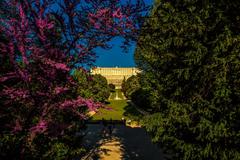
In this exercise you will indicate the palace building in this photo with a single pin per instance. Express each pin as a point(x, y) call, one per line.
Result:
point(115, 75)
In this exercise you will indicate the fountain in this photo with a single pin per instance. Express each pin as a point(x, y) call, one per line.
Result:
point(117, 98)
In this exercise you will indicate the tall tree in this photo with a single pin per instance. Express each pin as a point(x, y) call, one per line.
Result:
point(40, 43)
point(191, 51)
point(92, 86)
point(130, 85)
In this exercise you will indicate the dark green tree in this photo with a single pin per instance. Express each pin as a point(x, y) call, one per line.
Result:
point(123, 88)
point(146, 95)
point(112, 87)
point(100, 88)
point(130, 86)
point(190, 49)
point(92, 86)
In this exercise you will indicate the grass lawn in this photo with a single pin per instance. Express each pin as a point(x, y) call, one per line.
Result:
point(116, 112)
point(119, 109)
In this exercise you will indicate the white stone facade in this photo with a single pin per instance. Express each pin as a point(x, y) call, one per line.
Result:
point(115, 75)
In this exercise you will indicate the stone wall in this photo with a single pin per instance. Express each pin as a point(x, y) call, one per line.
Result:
point(115, 75)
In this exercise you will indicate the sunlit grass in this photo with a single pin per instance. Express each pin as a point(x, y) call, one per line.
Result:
point(116, 111)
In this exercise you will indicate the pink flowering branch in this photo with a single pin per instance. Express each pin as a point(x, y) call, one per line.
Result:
point(59, 90)
point(17, 127)
point(10, 75)
point(40, 127)
point(57, 65)
point(15, 94)
point(39, 46)
point(80, 102)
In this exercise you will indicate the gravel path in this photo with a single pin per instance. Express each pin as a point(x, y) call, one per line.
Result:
point(125, 143)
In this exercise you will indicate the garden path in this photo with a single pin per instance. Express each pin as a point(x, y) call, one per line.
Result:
point(125, 143)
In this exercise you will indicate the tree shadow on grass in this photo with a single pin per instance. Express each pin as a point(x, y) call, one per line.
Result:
point(131, 112)
point(106, 102)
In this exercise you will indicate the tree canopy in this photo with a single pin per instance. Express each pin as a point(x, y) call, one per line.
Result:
point(130, 85)
point(92, 86)
point(190, 49)
point(41, 42)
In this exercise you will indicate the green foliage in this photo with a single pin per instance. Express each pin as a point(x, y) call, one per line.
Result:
point(9, 145)
point(123, 89)
point(100, 88)
point(92, 86)
point(189, 54)
point(64, 147)
point(130, 85)
point(59, 151)
point(112, 87)
point(147, 96)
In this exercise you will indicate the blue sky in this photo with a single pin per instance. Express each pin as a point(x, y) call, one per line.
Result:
point(116, 56)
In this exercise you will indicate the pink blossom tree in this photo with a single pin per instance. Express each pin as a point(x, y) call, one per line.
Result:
point(41, 41)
